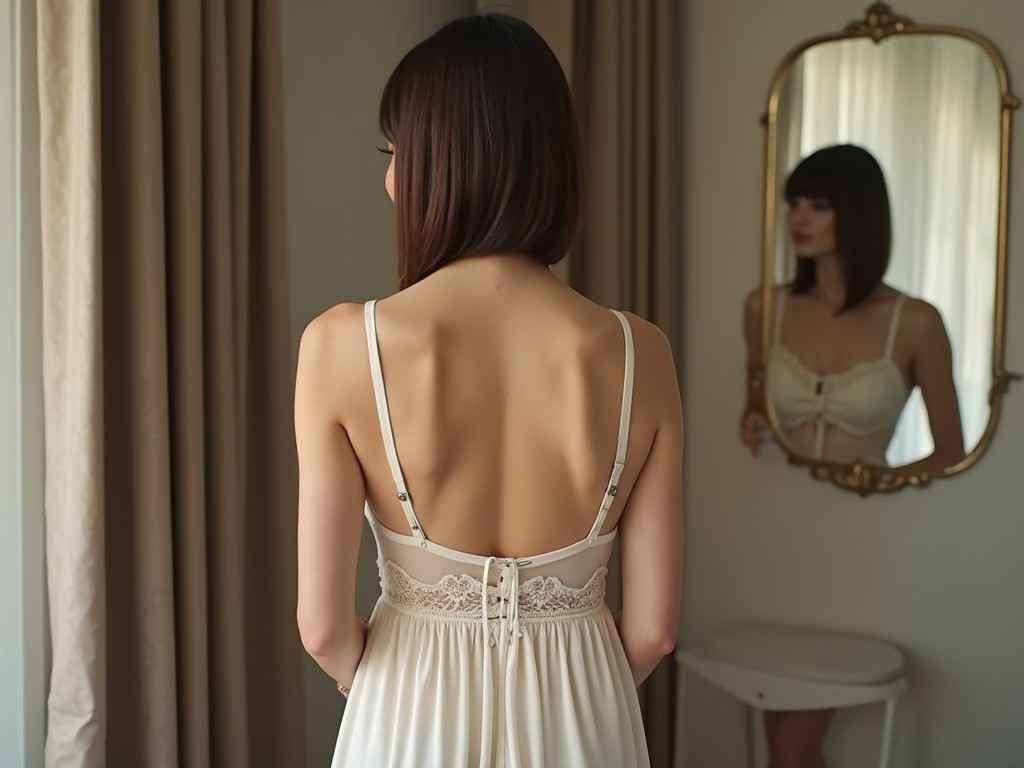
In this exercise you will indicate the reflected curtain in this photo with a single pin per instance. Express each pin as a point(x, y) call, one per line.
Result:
point(618, 59)
point(170, 474)
point(928, 109)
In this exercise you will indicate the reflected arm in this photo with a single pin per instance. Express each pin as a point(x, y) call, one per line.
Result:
point(932, 370)
point(753, 421)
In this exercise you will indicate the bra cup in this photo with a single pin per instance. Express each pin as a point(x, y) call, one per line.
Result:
point(865, 400)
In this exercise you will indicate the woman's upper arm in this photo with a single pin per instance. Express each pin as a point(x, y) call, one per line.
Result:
point(651, 527)
point(933, 372)
point(752, 326)
point(752, 336)
point(331, 489)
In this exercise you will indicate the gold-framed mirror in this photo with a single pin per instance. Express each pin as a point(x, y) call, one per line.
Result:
point(932, 105)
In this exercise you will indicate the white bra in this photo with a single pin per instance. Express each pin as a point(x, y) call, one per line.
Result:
point(864, 401)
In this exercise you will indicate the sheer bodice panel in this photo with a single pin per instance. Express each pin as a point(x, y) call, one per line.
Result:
point(417, 578)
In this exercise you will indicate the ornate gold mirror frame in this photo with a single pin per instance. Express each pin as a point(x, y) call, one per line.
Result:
point(878, 24)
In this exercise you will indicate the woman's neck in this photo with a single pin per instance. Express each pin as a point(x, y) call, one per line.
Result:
point(493, 269)
point(829, 281)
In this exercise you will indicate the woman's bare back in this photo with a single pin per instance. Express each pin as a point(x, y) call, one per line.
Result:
point(504, 389)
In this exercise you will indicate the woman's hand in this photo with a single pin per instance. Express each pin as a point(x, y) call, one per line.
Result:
point(753, 426)
point(346, 688)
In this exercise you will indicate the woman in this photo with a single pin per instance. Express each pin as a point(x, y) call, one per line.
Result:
point(501, 429)
point(847, 352)
point(848, 349)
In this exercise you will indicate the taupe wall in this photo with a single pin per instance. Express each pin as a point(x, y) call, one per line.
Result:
point(337, 57)
point(938, 571)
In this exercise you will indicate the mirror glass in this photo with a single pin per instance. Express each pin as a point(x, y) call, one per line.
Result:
point(928, 107)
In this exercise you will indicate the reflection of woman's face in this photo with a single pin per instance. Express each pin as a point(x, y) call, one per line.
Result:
point(812, 225)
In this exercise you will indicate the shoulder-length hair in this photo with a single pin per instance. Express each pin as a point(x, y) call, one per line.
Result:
point(851, 180)
point(487, 148)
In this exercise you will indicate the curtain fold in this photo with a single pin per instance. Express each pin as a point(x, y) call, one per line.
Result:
point(195, 547)
point(69, 94)
point(624, 88)
point(618, 59)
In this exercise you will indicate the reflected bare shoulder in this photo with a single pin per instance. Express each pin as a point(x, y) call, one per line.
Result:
point(922, 325)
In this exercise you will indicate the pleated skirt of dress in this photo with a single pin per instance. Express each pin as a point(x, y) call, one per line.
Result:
point(422, 697)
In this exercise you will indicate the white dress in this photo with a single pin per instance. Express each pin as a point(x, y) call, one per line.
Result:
point(527, 672)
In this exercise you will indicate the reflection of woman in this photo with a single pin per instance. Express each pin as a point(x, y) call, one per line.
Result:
point(847, 351)
point(486, 412)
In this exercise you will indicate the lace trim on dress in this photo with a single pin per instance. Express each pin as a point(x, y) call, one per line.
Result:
point(460, 596)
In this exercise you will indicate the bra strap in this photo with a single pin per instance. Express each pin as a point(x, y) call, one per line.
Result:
point(620, 448)
point(385, 421)
point(894, 324)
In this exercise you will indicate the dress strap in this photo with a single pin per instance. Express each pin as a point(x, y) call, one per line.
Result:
point(385, 421)
point(620, 448)
point(894, 324)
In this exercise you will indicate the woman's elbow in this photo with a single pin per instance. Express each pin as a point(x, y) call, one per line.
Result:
point(657, 641)
point(665, 641)
point(318, 637)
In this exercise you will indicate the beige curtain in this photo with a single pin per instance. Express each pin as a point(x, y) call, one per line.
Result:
point(617, 57)
point(73, 384)
point(169, 460)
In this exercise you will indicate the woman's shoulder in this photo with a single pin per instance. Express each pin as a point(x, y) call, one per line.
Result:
point(329, 336)
point(917, 310)
point(331, 325)
point(656, 377)
point(653, 350)
point(325, 379)
point(643, 329)
point(753, 302)
point(920, 320)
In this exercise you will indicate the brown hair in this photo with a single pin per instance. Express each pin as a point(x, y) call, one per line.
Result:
point(851, 180)
point(487, 148)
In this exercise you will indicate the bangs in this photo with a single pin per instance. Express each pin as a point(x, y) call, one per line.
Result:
point(850, 179)
point(805, 185)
